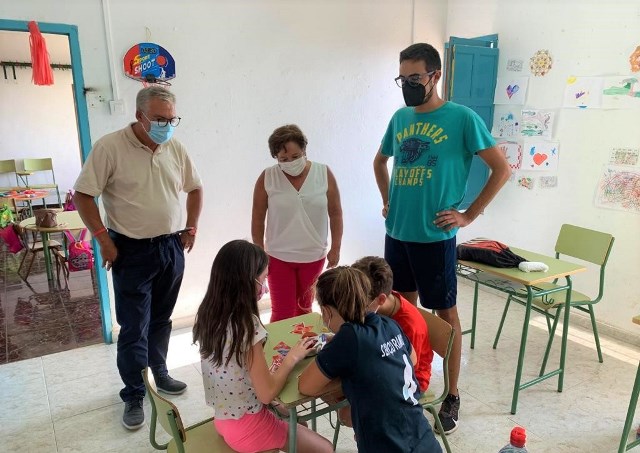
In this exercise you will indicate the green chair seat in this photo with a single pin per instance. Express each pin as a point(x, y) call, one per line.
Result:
point(199, 438)
point(557, 298)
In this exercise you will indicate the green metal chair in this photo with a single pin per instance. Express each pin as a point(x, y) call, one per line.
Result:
point(441, 338)
point(199, 438)
point(581, 243)
point(36, 165)
point(6, 167)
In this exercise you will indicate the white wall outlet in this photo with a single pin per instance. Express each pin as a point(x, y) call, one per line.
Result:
point(117, 107)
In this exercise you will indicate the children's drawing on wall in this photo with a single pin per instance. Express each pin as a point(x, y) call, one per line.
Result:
point(540, 63)
point(511, 90)
point(514, 65)
point(536, 123)
point(506, 122)
point(526, 182)
point(548, 182)
point(513, 153)
point(634, 60)
point(540, 155)
point(583, 92)
point(624, 156)
point(619, 189)
point(621, 92)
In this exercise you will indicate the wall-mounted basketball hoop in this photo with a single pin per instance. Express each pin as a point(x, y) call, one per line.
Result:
point(150, 64)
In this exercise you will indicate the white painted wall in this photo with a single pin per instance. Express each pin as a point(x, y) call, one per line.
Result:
point(245, 68)
point(38, 121)
point(585, 38)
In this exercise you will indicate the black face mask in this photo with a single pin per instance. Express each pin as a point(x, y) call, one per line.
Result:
point(416, 95)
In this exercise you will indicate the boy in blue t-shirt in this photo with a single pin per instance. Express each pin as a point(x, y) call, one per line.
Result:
point(374, 360)
point(432, 142)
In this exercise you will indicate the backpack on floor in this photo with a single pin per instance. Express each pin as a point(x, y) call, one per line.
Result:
point(80, 252)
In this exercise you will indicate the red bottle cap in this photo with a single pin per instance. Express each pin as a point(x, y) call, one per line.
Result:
point(518, 437)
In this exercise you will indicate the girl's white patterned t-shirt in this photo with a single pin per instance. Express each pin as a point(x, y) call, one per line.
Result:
point(228, 389)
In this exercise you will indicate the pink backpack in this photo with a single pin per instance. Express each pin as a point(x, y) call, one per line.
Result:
point(80, 252)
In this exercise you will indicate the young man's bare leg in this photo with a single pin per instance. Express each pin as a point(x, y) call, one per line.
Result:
point(449, 410)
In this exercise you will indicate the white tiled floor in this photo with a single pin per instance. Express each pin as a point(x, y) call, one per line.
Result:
point(68, 402)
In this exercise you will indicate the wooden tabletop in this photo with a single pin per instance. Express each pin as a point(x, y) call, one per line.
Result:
point(557, 268)
point(67, 220)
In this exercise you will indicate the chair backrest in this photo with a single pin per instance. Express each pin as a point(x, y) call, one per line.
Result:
point(582, 243)
point(7, 166)
point(11, 202)
point(42, 164)
point(165, 412)
point(441, 338)
point(587, 245)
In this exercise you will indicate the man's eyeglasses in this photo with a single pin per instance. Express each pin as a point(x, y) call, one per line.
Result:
point(163, 122)
point(413, 80)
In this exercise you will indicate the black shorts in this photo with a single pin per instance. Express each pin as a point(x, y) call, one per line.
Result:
point(429, 268)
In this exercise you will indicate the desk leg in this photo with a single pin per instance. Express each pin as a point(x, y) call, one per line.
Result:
point(47, 254)
point(474, 316)
point(630, 414)
point(565, 334)
point(523, 344)
point(293, 429)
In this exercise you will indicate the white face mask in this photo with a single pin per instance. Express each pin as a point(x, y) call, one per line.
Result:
point(295, 167)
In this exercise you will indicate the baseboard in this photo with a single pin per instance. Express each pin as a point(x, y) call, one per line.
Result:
point(187, 321)
point(578, 318)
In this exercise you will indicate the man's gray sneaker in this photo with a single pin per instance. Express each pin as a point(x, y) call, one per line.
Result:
point(167, 384)
point(133, 417)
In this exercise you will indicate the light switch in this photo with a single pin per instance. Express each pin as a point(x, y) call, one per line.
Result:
point(117, 107)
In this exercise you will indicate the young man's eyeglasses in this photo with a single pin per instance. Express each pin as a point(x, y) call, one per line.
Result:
point(163, 122)
point(413, 80)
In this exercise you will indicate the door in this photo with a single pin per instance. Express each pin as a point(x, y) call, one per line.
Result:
point(470, 73)
point(82, 118)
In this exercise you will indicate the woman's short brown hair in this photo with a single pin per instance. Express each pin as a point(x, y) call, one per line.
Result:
point(285, 134)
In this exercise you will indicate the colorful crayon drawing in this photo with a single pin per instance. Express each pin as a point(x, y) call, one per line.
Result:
point(513, 153)
point(583, 92)
point(619, 189)
point(526, 182)
point(511, 90)
point(540, 155)
point(536, 123)
point(506, 122)
point(621, 92)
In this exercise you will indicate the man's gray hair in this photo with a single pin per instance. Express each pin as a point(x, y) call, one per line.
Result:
point(153, 92)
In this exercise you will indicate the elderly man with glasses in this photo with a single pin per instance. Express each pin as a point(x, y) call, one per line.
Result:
point(139, 172)
point(432, 142)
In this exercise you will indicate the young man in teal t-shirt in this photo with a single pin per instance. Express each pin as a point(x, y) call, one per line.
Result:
point(432, 142)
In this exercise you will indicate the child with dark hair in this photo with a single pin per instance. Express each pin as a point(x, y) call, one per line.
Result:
point(374, 360)
point(391, 303)
point(237, 380)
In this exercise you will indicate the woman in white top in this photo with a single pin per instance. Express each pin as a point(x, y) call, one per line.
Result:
point(301, 203)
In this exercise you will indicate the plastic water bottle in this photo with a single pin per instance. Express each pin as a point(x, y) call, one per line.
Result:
point(518, 439)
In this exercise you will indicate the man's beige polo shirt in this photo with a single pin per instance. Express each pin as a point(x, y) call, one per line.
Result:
point(139, 188)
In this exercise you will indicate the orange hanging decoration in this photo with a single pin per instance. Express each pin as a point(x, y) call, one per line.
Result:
point(42, 72)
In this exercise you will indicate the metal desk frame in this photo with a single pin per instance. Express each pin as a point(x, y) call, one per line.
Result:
point(517, 283)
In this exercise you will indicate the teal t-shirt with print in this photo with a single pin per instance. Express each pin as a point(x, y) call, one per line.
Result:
point(432, 155)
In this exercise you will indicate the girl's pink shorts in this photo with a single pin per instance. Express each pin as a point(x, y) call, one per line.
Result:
point(254, 432)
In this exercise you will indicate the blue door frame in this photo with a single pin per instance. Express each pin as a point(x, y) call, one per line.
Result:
point(71, 31)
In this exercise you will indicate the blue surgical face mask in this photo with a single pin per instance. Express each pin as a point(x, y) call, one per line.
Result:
point(159, 134)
